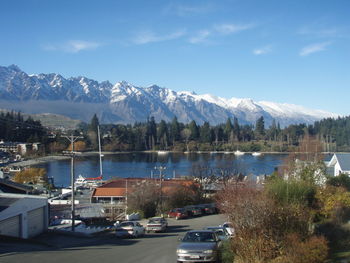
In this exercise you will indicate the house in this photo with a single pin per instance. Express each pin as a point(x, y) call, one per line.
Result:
point(340, 163)
point(8, 186)
point(116, 191)
point(19, 147)
point(23, 216)
point(113, 195)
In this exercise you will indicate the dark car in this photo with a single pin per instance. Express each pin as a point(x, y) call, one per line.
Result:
point(199, 246)
point(178, 213)
point(209, 209)
point(193, 210)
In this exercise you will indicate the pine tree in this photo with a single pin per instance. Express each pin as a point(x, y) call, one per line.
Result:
point(174, 130)
point(92, 132)
point(194, 130)
point(228, 129)
point(260, 128)
point(205, 133)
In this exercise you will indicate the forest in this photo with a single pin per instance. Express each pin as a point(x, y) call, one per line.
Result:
point(332, 135)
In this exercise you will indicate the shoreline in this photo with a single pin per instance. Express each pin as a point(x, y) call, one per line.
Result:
point(50, 158)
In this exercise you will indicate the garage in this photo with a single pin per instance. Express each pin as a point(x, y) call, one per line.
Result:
point(23, 216)
point(36, 222)
point(10, 227)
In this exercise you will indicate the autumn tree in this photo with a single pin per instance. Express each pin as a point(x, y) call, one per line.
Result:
point(79, 146)
point(32, 176)
point(144, 198)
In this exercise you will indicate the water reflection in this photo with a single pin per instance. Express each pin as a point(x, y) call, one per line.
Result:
point(142, 165)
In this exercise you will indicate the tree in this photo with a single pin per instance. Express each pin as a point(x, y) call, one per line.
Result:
point(194, 130)
point(144, 199)
point(175, 130)
point(228, 129)
point(186, 134)
point(163, 134)
point(236, 129)
point(205, 133)
point(92, 132)
point(260, 127)
point(151, 133)
point(31, 175)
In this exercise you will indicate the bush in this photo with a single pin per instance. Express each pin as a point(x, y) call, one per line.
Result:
point(312, 250)
point(291, 192)
point(342, 180)
point(227, 255)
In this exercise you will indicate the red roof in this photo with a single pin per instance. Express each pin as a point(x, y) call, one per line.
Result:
point(117, 187)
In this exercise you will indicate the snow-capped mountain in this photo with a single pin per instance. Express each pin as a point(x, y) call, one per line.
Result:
point(80, 97)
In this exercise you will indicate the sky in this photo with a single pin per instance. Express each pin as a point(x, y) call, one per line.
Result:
point(287, 51)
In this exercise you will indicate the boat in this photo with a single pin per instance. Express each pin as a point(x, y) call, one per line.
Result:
point(238, 153)
point(162, 152)
point(81, 181)
point(256, 154)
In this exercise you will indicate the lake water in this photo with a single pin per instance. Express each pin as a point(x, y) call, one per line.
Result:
point(178, 164)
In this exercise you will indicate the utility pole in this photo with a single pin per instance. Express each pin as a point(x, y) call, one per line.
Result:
point(160, 168)
point(72, 139)
point(126, 197)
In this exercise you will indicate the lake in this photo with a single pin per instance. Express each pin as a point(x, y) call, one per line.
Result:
point(177, 164)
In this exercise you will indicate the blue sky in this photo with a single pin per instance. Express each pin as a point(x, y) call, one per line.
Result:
point(295, 51)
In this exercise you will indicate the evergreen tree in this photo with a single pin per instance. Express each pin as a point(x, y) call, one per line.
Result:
point(163, 134)
point(175, 130)
point(228, 130)
point(260, 128)
point(194, 130)
point(151, 133)
point(236, 129)
point(205, 133)
point(92, 132)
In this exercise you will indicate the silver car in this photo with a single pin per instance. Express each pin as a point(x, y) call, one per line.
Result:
point(199, 246)
point(157, 224)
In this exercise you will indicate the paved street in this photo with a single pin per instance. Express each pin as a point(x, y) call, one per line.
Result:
point(154, 247)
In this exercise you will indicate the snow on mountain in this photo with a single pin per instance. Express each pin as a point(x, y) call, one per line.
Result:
point(80, 98)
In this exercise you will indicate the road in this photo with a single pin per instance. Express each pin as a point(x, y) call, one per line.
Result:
point(154, 247)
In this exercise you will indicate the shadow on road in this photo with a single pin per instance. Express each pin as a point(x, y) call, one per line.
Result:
point(57, 241)
point(178, 228)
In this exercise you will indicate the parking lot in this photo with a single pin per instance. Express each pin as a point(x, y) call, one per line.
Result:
point(154, 247)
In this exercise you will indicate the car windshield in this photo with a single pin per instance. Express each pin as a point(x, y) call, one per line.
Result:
point(124, 224)
point(155, 220)
point(220, 232)
point(199, 237)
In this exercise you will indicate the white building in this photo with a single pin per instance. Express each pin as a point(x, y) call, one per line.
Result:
point(23, 216)
point(340, 162)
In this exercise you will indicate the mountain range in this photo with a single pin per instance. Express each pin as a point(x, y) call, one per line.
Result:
point(80, 97)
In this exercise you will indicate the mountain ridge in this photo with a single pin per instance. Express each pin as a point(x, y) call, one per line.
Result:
point(78, 98)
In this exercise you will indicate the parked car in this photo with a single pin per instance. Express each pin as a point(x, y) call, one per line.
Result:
point(199, 246)
point(157, 224)
point(129, 228)
point(193, 210)
point(220, 231)
point(209, 209)
point(229, 228)
point(178, 213)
